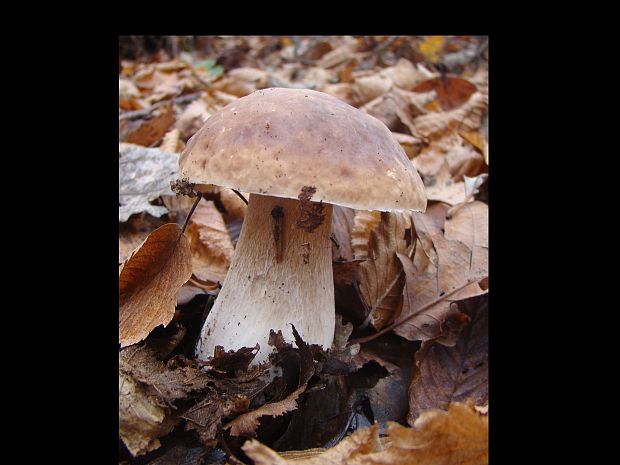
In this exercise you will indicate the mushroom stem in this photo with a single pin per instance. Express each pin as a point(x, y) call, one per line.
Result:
point(280, 274)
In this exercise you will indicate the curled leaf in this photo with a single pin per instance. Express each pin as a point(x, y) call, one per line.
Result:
point(149, 281)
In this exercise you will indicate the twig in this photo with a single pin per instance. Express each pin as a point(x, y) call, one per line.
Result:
point(198, 197)
point(397, 323)
point(146, 111)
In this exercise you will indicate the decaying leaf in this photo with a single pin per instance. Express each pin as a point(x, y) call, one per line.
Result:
point(149, 281)
point(360, 443)
point(381, 275)
point(147, 132)
point(209, 242)
point(246, 424)
point(456, 437)
point(144, 174)
point(364, 223)
point(470, 225)
point(468, 117)
point(141, 419)
point(446, 374)
point(443, 188)
point(452, 91)
point(133, 232)
point(168, 382)
point(450, 272)
point(459, 436)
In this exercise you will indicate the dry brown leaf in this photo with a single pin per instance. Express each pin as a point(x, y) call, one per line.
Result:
point(442, 187)
point(128, 95)
point(368, 88)
point(343, 219)
point(456, 437)
point(171, 142)
point(434, 126)
point(403, 74)
point(169, 384)
point(464, 160)
point(342, 90)
point(147, 132)
point(381, 275)
point(470, 225)
point(450, 271)
point(362, 442)
point(149, 281)
point(411, 145)
point(459, 436)
point(364, 223)
point(193, 118)
point(141, 419)
point(209, 242)
point(339, 55)
point(133, 232)
point(452, 91)
point(246, 423)
point(446, 374)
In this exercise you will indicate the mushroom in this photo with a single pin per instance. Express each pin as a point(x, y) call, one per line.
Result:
point(296, 152)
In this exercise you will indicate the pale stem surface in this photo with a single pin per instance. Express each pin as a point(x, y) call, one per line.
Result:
point(260, 293)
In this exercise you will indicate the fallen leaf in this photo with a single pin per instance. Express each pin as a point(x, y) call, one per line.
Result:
point(133, 232)
point(443, 188)
point(470, 225)
point(144, 174)
point(450, 272)
point(149, 281)
point(246, 423)
point(209, 242)
point(381, 275)
point(147, 132)
point(431, 47)
point(364, 222)
point(452, 91)
point(368, 88)
point(193, 118)
point(459, 436)
point(172, 142)
point(169, 383)
point(205, 418)
point(360, 443)
point(446, 374)
point(141, 419)
point(468, 117)
point(233, 360)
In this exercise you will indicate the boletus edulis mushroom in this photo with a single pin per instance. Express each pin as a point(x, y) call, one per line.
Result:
point(296, 152)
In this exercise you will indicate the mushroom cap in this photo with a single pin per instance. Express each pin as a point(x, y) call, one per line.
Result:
point(277, 141)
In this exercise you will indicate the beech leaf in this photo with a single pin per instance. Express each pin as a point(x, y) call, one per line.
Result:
point(149, 281)
point(446, 374)
point(246, 423)
point(459, 436)
point(450, 271)
point(381, 275)
point(361, 442)
point(209, 242)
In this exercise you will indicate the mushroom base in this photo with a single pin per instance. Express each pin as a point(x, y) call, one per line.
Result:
point(280, 274)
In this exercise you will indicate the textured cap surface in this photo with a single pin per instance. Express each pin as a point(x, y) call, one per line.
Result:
point(276, 141)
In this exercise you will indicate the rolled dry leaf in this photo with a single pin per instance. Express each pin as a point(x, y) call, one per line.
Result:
point(149, 281)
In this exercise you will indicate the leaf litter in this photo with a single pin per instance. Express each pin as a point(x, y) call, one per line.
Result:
point(411, 288)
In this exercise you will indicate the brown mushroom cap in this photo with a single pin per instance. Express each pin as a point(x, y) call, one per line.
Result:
point(276, 141)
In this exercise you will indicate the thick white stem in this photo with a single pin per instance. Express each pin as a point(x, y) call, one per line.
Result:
point(263, 291)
